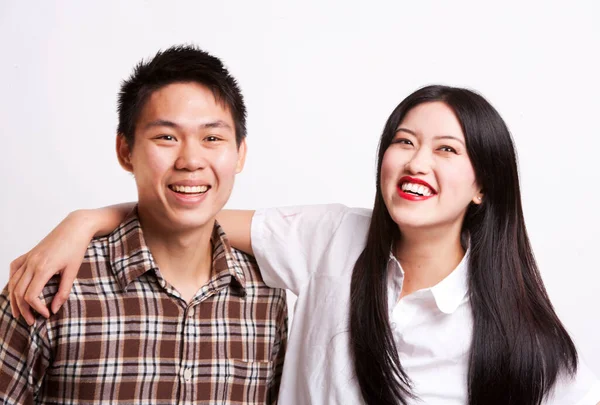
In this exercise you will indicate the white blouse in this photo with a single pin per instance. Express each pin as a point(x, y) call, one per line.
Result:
point(311, 251)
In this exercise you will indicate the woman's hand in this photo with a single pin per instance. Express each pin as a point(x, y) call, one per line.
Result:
point(61, 252)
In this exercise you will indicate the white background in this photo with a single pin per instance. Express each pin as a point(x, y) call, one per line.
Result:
point(320, 79)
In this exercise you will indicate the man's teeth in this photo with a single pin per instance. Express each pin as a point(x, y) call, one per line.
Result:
point(417, 189)
point(190, 189)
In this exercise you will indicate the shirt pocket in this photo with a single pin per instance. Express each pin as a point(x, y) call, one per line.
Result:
point(248, 381)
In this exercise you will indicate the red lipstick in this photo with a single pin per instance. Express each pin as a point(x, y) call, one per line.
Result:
point(413, 197)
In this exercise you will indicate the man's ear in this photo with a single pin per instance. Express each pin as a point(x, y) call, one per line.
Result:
point(124, 153)
point(242, 149)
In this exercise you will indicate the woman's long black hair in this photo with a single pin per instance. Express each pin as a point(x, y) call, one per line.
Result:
point(519, 346)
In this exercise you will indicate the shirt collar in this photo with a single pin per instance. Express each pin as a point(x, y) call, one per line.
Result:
point(448, 293)
point(225, 262)
point(452, 290)
point(130, 257)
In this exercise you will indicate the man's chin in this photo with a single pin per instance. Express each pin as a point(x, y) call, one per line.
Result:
point(177, 220)
point(192, 221)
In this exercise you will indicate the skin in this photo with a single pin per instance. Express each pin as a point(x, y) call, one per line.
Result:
point(429, 145)
point(183, 135)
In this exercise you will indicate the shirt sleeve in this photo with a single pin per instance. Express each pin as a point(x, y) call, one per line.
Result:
point(24, 356)
point(289, 242)
point(581, 389)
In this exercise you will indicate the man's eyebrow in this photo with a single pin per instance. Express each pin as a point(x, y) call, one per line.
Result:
point(171, 124)
point(161, 123)
point(216, 124)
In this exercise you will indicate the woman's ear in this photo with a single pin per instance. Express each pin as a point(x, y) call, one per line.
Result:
point(478, 198)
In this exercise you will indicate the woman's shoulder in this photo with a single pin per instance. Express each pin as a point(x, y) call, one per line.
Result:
point(321, 216)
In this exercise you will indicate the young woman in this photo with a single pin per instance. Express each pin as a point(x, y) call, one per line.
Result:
point(433, 297)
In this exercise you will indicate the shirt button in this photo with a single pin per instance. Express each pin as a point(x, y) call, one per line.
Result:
point(187, 374)
point(190, 312)
point(393, 325)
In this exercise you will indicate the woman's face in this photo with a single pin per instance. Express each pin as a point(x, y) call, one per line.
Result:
point(427, 179)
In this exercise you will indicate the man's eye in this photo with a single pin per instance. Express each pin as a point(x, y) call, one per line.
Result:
point(166, 137)
point(212, 138)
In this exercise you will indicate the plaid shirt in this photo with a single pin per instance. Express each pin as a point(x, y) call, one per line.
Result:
point(126, 336)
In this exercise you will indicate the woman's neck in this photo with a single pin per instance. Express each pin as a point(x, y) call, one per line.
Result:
point(428, 256)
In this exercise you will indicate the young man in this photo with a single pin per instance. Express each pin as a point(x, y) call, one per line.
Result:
point(163, 309)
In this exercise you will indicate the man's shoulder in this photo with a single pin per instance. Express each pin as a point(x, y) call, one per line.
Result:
point(97, 256)
point(248, 266)
point(251, 271)
point(94, 272)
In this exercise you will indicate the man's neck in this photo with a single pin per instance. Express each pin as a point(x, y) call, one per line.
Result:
point(427, 257)
point(183, 257)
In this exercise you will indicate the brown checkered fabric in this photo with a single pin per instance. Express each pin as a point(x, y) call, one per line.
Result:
point(126, 336)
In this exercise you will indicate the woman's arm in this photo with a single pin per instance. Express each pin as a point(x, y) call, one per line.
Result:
point(236, 224)
point(62, 251)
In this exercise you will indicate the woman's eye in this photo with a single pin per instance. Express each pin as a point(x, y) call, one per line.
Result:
point(448, 149)
point(403, 141)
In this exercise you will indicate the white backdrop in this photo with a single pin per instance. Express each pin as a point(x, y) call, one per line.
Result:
point(320, 79)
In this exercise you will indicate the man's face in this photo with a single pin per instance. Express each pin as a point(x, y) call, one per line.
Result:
point(184, 157)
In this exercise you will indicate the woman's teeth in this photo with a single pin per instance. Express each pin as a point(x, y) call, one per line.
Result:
point(189, 189)
point(418, 189)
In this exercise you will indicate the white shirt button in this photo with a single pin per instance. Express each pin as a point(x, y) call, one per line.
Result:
point(190, 312)
point(187, 374)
